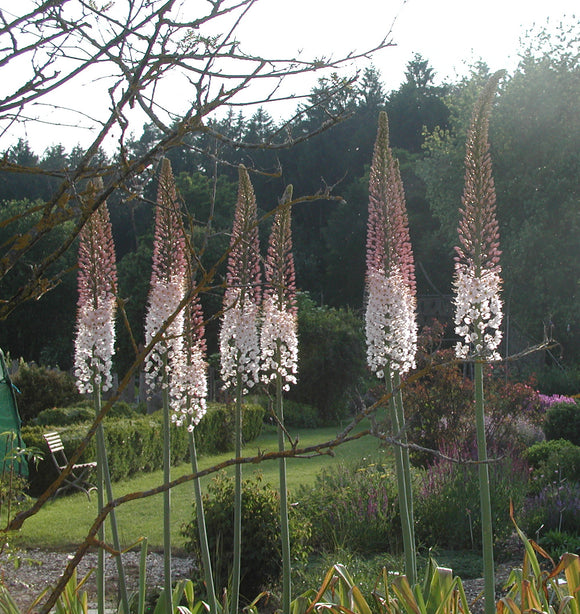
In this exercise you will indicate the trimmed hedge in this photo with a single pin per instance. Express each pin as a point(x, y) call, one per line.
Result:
point(563, 422)
point(136, 444)
point(74, 414)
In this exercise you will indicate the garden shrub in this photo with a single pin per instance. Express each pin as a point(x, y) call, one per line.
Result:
point(215, 433)
point(41, 388)
point(261, 562)
point(552, 461)
point(353, 506)
point(555, 380)
point(122, 409)
point(439, 405)
point(447, 505)
point(563, 422)
point(81, 412)
point(556, 543)
point(555, 507)
point(331, 361)
point(541, 451)
point(296, 414)
point(61, 416)
point(301, 415)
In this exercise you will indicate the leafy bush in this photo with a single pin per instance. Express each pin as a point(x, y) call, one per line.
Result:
point(301, 415)
point(514, 412)
point(447, 508)
point(556, 506)
point(552, 461)
point(540, 452)
point(215, 433)
point(296, 414)
point(122, 409)
point(261, 556)
point(61, 416)
point(563, 422)
point(556, 543)
point(332, 362)
point(546, 401)
point(353, 506)
point(555, 380)
point(439, 405)
point(42, 388)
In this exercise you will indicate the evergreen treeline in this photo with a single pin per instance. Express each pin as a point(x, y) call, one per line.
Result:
point(535, 137)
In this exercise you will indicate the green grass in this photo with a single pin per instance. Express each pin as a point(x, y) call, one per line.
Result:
point(65, 521)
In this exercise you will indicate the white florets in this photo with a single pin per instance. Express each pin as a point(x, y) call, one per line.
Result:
point(391, 328)
point(94, 346)
point(239, 343)
point(478, 313)
point(189, 389)
point(279, 344)
point(164, 299)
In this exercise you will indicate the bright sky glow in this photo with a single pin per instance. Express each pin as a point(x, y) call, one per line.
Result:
point(450, 34)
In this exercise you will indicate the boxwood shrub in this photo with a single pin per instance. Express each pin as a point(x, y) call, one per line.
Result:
point(136, 444)
point(563, 422)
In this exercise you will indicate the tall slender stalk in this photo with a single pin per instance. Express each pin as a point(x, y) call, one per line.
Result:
point(237, 562)
point(484, 493)
point(478, 307)
point(284, 521)
point(101, 534)
point(167, 290)
point(205, 554)
point(104, 478)
point(167, 497)
point(406, 464)
point(94, 345)
point(190, 381)
point(402, 488)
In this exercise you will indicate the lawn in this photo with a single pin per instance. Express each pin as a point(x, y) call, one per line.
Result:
point(64, 522)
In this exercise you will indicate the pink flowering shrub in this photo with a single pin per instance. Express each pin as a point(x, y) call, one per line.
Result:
point(439, 405)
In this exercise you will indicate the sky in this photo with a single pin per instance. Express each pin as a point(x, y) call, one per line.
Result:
point(450, 34)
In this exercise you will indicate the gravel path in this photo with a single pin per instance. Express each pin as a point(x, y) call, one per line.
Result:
point(40, 569)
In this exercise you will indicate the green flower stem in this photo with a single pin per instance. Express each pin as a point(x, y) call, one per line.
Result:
point(237, 563)
point(284, 525)
point(101, 534)
point(485, 496)
point(167, 494)
point(206, 559)
point(123, 595)
point(402, 488)
point(103, 463)
point(406, 470)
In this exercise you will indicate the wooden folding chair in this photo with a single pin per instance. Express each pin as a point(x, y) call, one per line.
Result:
point(77, 478)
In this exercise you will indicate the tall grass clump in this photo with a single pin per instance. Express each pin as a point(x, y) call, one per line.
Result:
point(353, 506)
point(448, 503)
